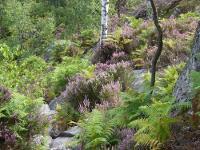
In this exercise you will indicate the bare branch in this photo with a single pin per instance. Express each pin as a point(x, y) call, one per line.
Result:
point(159, 42)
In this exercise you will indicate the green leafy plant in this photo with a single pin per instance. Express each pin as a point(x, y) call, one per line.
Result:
point(66, 114)
point(15, 119)
point(24, 76)
point(97, 130)
point(167, 80)
point(155, 127)
point(58, 78)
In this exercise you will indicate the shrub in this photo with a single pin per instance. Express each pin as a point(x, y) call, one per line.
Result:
point(79, 87)
point(126, 139)
point(120, 72)
point(15, 119)
point(104, 53)
point(5, 95)
point(66, 114)
point(58, 78)
point(110, 92)
point(118, 57)
point(24, 76)
point(63, 48)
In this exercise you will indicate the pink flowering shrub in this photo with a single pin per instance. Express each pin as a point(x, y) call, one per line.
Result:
point(4, 94)
point(118, 57)
point(79, 88)
point(108, 81)
point(120, 72)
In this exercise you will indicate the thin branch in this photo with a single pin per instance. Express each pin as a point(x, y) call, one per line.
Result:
point(159, 42)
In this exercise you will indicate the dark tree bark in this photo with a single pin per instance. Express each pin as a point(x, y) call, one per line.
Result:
point(183, 89)
point(159, 42)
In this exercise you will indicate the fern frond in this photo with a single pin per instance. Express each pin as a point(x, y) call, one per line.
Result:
point(146, 140)
point(138, 123)
point(182, 106)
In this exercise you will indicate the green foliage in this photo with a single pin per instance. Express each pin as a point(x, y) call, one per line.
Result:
point(66, 114)
point(182, 106)
point(135, 23)
point(37, 29)
point(57, 79)
point(167, 80)
point(24, 76)
point(26, 31)
point(62, 48)
point(195, 80)
point(88, 38)
point(76, 15)
point(97, 130)
point(133, 3)
point(187, 15)
point(128, 109)
point(155, 127)
point(16, 113)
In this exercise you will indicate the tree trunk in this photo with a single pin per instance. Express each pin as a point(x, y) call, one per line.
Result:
point(104, 20)
point(148, 10)
point(159, 43)
point(183, 89)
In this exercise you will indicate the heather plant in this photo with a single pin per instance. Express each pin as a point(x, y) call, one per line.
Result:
point(116, 43)
point(126, 139)
point(120, 72)
point(110, 92)
point(119, 57)
point(79, 87)
point(104, 53)
point(5, 94)
point(101, 90)
point(105, 78)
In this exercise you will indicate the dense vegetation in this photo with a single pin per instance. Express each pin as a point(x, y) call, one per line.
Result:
point(49, 52)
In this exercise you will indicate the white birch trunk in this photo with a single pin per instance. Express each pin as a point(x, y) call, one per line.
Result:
point(149, 9)
point(104, 20)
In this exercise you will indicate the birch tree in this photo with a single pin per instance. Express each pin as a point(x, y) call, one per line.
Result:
point(104, 20)
point(148, 9)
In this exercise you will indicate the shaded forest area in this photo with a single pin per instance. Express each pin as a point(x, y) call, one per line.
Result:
point(99, 74)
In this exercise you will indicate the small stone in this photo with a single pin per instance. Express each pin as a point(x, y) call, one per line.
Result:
point(57, 101)
point(61, 143)
point(71, 132)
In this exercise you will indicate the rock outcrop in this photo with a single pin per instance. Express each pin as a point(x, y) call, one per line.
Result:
point(65, 139)
point(183, 89)
point(165, 7)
